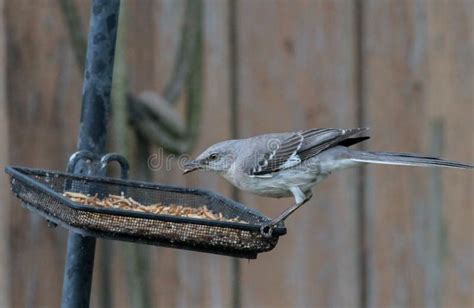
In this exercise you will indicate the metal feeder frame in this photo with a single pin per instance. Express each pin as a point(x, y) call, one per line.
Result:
point(42, 192)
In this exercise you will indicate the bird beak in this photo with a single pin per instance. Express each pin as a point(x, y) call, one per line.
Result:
point(190, 166)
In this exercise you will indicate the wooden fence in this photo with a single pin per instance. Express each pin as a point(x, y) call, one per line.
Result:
point(375, 237)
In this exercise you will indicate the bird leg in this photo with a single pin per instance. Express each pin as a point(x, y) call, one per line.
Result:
point(300, 197)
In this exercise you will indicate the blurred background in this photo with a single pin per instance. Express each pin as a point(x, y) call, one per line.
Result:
point(191, 73)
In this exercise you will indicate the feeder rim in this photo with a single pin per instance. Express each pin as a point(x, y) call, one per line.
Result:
point(14, 171)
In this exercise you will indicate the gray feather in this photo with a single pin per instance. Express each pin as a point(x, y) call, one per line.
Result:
point(405, 159)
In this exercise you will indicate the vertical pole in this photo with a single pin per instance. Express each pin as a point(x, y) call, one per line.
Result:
point(92, 137)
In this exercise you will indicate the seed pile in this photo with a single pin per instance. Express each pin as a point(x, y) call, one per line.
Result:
point(127, 203)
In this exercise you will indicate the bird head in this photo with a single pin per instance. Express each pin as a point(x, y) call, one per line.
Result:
point(218, 158)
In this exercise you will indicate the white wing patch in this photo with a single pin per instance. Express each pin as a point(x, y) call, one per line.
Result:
point(292, 161)
point(266, 175)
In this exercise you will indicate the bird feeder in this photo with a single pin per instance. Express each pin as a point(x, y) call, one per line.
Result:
point(236, 233)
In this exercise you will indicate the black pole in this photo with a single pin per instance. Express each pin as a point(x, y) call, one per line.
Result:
point(92, 137)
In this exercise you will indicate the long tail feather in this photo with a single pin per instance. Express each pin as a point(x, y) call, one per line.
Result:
point(406, 159)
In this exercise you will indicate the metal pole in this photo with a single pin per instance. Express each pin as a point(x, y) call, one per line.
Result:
point(92, 137)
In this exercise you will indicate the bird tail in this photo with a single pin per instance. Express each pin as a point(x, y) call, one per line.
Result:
point(405, 159)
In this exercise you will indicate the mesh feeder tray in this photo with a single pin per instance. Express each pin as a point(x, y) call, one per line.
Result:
point(42, 192)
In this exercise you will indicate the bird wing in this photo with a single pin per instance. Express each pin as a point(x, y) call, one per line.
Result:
point(299, 147)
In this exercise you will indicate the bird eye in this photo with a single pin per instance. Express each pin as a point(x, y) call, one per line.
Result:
point(213, 156)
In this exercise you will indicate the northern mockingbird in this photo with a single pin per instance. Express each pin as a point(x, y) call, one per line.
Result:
point(290, 164)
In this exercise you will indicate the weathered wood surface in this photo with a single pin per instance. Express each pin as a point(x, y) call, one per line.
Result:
point(451, 102)
point(419, 57)
point(297, 70)
point(44, 95)
point(192, 279)
point(5, 195)
point(206, 278)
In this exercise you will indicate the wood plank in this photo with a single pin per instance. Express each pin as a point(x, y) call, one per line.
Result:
point(150, 64)
point(44, 95)
point(182, 278)
point(205, 279)
point(408, 83)
point(142, 53)
point(142, 60)
point(450, 279)
point(5, 195)
point(395, 58)
point(297, 68)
